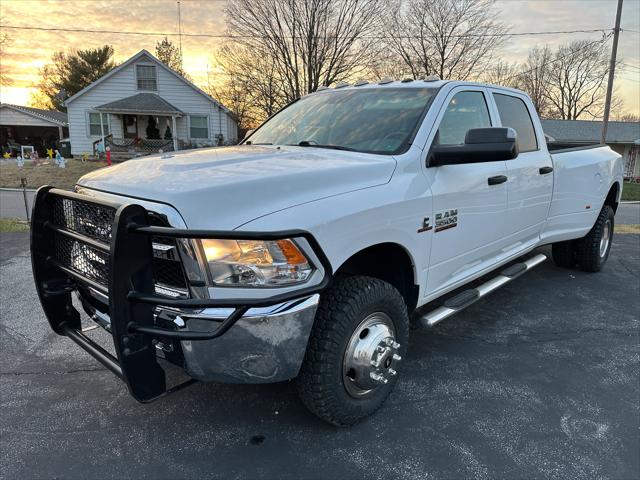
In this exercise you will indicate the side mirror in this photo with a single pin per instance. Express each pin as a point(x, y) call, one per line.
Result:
point(480, 145)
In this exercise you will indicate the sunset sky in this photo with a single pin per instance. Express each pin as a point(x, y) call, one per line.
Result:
point(30, 50)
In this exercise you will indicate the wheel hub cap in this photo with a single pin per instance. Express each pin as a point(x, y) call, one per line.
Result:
point(371, 355)
point(606, 238)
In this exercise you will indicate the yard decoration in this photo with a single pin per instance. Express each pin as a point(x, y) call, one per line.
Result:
point(152, 128)
point(6, 155)
point(60, 160)
point(167, 134)
point(50, 153)
point(108, 156)
point(20, 161)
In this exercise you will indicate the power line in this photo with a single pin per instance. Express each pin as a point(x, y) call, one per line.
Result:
point(588, 45)
point(232, 36)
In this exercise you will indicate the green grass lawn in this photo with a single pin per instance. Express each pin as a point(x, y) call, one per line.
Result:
point(13, 225)
point(631, 191)
point(48, 174)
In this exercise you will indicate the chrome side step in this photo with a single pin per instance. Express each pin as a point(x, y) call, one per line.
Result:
point(469, 297)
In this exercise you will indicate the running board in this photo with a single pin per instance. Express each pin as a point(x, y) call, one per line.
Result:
point(468, 297)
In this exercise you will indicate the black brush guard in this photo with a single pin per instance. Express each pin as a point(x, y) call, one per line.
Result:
point(131, 288)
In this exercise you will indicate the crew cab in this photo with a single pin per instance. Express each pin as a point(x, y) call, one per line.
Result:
point(303, 252)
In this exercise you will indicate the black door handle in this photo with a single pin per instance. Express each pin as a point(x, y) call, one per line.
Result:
point(497, 180)
point(545, 170)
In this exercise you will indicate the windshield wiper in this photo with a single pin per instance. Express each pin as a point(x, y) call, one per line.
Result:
point(249, 142)
point(311, 143)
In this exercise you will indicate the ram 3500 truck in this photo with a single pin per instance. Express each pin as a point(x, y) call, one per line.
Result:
point(301, 253)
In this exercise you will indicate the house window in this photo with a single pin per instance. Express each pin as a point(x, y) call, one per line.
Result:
point(146, 75)
point(94, 124)
point(199, 127)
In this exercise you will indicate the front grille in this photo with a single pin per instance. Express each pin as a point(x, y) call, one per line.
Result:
point(96, 222)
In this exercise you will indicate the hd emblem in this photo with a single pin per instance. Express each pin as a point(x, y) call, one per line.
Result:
point(447, 219)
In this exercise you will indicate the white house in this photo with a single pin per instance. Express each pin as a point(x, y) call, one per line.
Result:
point(119, 106)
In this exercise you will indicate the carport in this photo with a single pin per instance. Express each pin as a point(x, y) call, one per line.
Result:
point(35, 127)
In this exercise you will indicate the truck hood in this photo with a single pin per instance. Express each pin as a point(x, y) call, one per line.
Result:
point(223, 188)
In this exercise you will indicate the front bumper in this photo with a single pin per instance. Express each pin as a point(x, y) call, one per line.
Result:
point(264, 338)
point(266, 345)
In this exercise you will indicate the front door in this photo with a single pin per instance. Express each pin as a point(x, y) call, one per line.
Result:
point(468, 210)
point(130, 126)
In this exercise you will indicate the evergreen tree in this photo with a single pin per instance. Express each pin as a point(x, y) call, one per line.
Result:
point(68, 73)
point(170, 55)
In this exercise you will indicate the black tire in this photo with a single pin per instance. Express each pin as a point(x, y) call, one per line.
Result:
point(589, 256)
point(342, 308)
point(564, 254)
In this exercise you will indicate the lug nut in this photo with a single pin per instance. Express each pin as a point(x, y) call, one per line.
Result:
point(381, 349)
point(396, 345)
point(378, 378)
point(392, 371)
point(388, 341)
point(375, 363)
point(397, 357)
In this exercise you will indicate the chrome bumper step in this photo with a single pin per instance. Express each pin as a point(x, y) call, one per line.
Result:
point(468, 297)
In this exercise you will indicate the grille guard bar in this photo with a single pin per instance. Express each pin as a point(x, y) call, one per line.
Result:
point(131, 288)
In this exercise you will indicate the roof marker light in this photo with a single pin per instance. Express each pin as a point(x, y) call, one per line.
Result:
point(385, 81)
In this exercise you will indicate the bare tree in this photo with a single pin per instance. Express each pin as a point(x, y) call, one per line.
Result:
point(311, 42)
point(249, 84)
point(5, 41)
point(502, 73)
point(535, 77)
point(450, 38)
point(577, 80)
point(627, 117)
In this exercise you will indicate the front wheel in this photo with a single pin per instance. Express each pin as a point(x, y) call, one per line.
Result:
point(356, 346)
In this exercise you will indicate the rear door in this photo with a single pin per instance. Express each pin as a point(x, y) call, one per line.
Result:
point(468, 212)
point(530, 174)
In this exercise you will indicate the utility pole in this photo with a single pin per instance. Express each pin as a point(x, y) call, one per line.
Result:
point(612, 71)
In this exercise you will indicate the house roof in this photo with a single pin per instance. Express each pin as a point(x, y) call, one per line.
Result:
point(137, 56)
point(53, 116)
point(589, 131)
point(145, 103)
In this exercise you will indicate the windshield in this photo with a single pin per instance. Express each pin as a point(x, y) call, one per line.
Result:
point(375, 120)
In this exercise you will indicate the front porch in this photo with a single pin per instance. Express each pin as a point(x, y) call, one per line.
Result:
point(139, 125)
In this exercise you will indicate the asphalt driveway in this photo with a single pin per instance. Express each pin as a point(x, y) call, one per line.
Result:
point(539, 380)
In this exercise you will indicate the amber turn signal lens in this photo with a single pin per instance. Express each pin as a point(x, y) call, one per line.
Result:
point(291, 252)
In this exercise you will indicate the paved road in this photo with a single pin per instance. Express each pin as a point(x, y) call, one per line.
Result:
point(12, 203)
point(12, 206)
point(539, 380)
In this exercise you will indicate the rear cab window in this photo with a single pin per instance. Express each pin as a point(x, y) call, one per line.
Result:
point(515, 114)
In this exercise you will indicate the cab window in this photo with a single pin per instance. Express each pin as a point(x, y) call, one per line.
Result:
point(465, 111)
point(515, 114)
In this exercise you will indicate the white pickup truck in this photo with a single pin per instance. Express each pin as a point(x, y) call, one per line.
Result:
point(303, 252)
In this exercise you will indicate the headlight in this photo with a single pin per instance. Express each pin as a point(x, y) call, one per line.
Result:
point(256, 263)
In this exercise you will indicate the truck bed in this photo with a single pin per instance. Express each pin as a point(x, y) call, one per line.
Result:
point(558, 147)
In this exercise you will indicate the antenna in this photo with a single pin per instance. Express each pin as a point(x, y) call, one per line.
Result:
point(180, 34)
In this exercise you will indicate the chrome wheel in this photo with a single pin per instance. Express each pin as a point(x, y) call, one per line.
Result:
point(605, 239)
point(370, 355)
